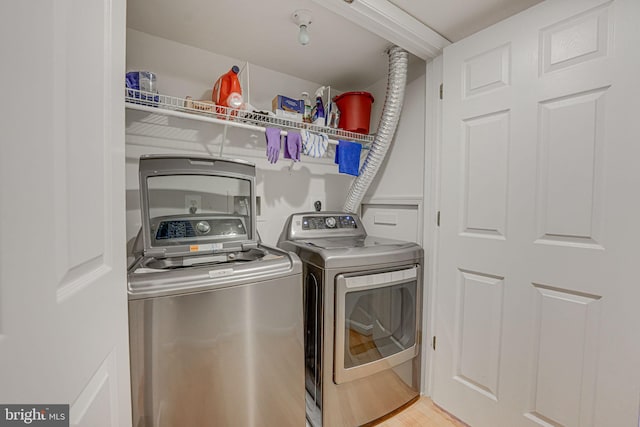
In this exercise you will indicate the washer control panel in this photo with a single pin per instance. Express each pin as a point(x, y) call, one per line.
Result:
point(179, 228)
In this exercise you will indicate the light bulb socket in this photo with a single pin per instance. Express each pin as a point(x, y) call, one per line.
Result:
point(301, 17)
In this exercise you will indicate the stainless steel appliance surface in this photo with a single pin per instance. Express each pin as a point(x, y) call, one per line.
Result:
point(362, 310)
point(215, 317)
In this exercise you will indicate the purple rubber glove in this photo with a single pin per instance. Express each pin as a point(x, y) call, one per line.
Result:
point(293, 146)
point(273, 144)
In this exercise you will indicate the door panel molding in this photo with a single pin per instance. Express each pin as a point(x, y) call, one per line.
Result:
point(479, 331)
point(578, 39)
point(567, 325)
point(485, 168)
point(570, 169)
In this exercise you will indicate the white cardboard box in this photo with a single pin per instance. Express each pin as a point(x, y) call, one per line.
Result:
point(296, 117)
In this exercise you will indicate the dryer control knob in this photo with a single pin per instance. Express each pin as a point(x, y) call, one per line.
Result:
point(203, 227)
point(330, 222)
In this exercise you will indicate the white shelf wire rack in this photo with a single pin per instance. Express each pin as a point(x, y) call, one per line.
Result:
point(208, 112)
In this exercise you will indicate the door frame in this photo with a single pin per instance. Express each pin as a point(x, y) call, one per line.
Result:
point(433, 148)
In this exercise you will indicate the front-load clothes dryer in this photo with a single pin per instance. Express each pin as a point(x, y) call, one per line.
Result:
point(215, 317)
point(362, 308)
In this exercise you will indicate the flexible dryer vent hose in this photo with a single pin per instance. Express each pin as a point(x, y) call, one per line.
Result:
point(398, 63)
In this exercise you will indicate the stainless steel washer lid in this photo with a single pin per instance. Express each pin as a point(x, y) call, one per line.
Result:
point(146, 282)
point(192, 205)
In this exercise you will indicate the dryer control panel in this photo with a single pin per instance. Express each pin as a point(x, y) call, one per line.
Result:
point(309, 225)
point(321, 222)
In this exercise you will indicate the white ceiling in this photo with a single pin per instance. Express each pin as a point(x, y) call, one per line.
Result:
point(457, 19)
point(340, 53)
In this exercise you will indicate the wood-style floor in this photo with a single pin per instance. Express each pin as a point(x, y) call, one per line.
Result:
point(423, 413)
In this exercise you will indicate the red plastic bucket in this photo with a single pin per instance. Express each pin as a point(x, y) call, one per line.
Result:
point(355, 111)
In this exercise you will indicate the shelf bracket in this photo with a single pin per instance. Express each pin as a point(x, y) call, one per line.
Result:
point(224, 138)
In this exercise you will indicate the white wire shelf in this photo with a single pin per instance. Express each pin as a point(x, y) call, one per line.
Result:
point(208, 112)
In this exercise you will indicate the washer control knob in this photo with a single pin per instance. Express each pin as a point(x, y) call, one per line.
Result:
point(330, 221)
point(203, 227)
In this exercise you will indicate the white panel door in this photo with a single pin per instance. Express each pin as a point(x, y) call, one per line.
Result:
point(536, 304)
point(63, 302)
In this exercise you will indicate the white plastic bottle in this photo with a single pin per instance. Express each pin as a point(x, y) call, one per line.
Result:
point(306, 115)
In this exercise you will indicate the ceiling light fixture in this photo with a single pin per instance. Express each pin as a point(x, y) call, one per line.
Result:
point(302, 18)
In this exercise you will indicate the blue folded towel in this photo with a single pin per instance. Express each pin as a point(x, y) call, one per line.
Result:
point(348, 157)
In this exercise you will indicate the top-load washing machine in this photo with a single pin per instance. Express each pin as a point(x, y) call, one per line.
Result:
point(362, 318)
point(215, 317)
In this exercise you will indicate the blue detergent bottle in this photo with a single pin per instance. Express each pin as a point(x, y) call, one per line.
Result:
point(318, 115)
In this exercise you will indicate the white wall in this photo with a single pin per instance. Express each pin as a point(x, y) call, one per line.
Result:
point(393, 206)
point(401, 173)
point(183, 70)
